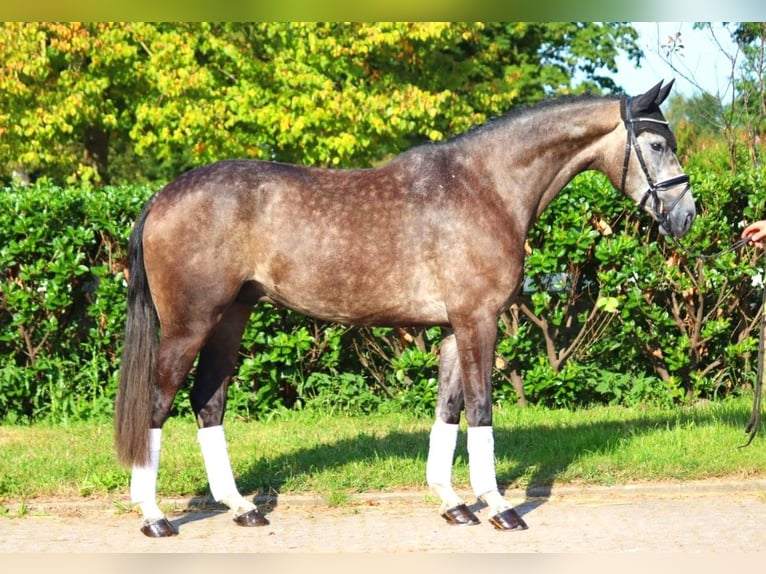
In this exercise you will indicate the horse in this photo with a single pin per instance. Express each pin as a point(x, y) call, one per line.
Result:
point(433, 237)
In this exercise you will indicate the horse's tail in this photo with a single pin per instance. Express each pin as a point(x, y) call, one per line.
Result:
point(138, 368)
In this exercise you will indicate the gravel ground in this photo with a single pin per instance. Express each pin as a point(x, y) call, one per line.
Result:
point(700, 517)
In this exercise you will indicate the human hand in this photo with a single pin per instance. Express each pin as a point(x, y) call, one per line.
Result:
point(756, 232)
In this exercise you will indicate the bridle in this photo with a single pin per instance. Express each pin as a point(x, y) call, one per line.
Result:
point(660, 214)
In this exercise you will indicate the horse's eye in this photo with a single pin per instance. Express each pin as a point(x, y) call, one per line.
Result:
point(656, 146)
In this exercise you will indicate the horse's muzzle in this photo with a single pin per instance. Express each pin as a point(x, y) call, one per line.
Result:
point(678, 221)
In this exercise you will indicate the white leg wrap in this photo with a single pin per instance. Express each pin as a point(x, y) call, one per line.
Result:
point(481, 463)
point(481, 459)
point(143, 480)
point(212, 442)
point(441, 454)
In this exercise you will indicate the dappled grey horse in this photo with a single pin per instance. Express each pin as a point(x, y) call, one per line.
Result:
point(433, 237)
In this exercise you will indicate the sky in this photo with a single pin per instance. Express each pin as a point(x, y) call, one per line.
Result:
point(703, 61)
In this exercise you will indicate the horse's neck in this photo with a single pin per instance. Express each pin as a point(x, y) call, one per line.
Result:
point(536, 155)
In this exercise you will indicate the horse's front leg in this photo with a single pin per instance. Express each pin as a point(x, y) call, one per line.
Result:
point(208, 397)
point(476, 338)
point(443, 437)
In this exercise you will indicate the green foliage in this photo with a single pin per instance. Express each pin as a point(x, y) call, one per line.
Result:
point(611, 312)
point(106, 101)
point(602, 289)
point(608, 301)
point(63, 298)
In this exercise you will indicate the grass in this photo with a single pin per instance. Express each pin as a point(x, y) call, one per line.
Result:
point(334, 456)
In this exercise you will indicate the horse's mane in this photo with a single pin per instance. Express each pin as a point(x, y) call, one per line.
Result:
point(526, 110)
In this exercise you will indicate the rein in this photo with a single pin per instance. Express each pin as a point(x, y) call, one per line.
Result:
point(661, 216)
point(751, 429)
point(704, 256)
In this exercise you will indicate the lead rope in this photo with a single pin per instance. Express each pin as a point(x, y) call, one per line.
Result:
point(751, 429)
point(704, 256)
point(755, 414)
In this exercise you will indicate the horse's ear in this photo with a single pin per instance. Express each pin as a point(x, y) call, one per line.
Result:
point(662, 96)
point(643, 102)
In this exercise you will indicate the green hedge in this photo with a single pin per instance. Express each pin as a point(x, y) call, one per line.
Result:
point(611, 312)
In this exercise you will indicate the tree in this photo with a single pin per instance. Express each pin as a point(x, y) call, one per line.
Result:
point(737, 114)
point(142, 101)
point(751, 37)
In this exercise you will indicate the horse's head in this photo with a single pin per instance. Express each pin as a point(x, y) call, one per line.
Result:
point(651, 173)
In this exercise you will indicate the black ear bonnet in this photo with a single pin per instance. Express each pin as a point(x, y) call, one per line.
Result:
point(646, 119)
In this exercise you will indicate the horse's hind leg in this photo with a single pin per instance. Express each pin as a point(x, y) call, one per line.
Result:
point(443, 437)
point(175, 357)
point(217, 364)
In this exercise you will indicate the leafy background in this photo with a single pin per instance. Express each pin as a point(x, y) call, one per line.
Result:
point(96, 117)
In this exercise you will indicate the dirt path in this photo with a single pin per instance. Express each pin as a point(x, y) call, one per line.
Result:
point(697, 517)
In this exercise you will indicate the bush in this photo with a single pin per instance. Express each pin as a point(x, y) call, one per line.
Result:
point(611, 313)
point(63, 298)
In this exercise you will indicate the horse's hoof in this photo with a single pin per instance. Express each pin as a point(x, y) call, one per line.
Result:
point(508, 520)
point(460, 515)
point(251, 518)
point(161, 528)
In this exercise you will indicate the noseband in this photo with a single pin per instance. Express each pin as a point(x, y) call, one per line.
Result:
point(661, 214)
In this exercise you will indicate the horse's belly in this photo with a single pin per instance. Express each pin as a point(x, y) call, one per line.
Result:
point(351, 278)
point(352, 307)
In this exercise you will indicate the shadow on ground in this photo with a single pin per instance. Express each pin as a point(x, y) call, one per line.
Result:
point(538, 455)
